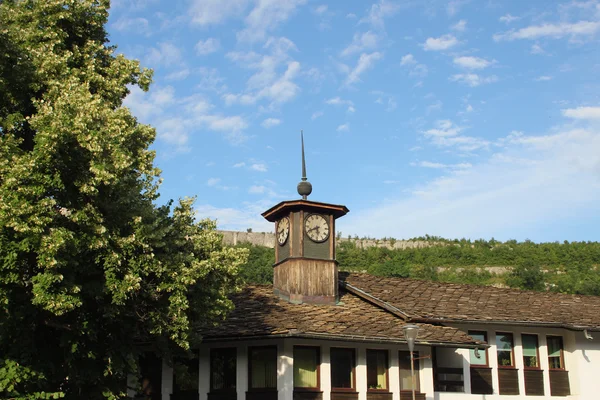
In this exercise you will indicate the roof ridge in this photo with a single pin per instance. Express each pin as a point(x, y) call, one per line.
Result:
point(376, 301)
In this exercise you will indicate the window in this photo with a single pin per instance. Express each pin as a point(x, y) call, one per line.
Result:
point(377, 367)
point(306, 367)
point(530, 351)
point(504, 348)
point(222, 370)
point(263, 368)
point(342, 368)
point(405, 375)
point(185, 376)
point(555, 352)
point(482, 359)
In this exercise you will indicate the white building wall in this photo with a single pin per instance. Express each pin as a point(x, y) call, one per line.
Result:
point(582, 360)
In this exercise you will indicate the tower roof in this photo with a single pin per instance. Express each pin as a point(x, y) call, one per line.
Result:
point(273, 213)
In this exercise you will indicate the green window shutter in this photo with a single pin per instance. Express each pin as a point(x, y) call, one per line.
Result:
point(529, 346)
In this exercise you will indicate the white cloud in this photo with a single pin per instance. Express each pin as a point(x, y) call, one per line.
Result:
point(454, 6)
point(176, 118)
point(589, 113)
point(365, 62)
point(379, 12)
point(238, 219)
point(543, 78)
point(213, 181)
point(473, 80)
point(210, 45)
point(260, 167)
point(211, 80)
point(443, 42)
point(256, 189)
point(436, 165)
point(322, 9)
point(239, 165)
point(166, 54)
point(507, 18)
point(343, 128)
point(265, 17)
point(360, 43)
point(338, 101)
point(212, 12)
point(537, 49)
point(408, 59)
point(268, 82)
point(469, 108)
point(178, 75)
point(470, 62)
point(270, 122)
point(316, 115)
point(556, 31)
point(460, 26)
point(446, 134)
point(443, 128)
point(513, 193)
point(132, 25)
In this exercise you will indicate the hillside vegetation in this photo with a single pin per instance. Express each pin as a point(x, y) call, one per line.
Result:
point(569, 267)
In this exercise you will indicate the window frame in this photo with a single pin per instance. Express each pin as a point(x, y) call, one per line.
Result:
point(562, 355)
point(309, 389)
point(537, 351)
point(339, 389)
point(487, 355)
point(264, 389)
point(417, 371)
point(512, 351)
point(387, 370)
point(212, 354)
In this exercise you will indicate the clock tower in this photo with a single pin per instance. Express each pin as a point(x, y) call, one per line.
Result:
point(305, 269)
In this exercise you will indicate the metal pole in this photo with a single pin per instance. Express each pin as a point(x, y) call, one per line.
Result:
point(412, 373)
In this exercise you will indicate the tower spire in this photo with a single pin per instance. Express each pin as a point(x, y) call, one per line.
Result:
point(304, 187)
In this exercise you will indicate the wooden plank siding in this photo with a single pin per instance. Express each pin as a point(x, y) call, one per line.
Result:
point(407, 395)
point(534, 382)
point(559, 383)
point(379, 396)
point(508, 381)
point(481, 381)
point(307, 395)
point(344, 395)
point(306, 279)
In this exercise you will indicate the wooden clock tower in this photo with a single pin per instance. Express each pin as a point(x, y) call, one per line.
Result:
point(305, 269)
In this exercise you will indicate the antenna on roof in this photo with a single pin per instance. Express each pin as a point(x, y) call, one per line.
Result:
point(304, 187)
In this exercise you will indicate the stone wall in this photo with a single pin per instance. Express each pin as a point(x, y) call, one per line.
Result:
point(267, 239)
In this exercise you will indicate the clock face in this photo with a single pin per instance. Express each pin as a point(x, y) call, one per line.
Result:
point(316, 227)
point(283, 230)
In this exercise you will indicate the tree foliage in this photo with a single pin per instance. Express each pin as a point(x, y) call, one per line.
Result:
point(568, 267)
point(92, 271)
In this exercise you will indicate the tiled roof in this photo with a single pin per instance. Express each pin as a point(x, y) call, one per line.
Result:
point(460, 302)
point(258, 312)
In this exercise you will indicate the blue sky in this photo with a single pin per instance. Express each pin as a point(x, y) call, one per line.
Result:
point(458, 118)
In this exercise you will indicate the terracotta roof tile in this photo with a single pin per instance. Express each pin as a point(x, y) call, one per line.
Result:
point(451, 301)
point(258, 312)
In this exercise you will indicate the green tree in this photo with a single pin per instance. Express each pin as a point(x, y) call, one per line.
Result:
point(92, 271)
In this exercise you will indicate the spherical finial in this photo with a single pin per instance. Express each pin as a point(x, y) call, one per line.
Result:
point(304, 189)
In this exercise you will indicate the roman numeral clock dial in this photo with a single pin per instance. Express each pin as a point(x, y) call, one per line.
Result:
point(316, 228)
point(283, 230)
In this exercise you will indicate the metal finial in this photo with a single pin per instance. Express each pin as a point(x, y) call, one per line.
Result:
point(303, 160)
point(304, 187)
